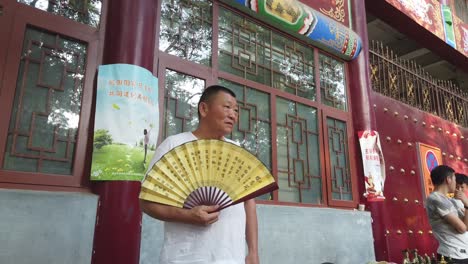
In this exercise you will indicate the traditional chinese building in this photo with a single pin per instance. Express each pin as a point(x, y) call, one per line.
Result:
point(309, 76)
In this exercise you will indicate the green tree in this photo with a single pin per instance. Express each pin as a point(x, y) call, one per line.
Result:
point(102, 138)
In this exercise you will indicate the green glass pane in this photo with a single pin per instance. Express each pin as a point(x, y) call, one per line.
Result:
point(262, 101)
point(57, 167)
point(338, 148)
point(314, 194)
point(87, 12)
point(285, 192)
point(244, 120)
point(264, 145)
point(60, 151)
point(282, 143)
point(186, 29)
point(42, 138)
point(314, 163)
point(332, 83)
point(45, 114)
point(182, 93)
point(283, 108)
point(310, 115)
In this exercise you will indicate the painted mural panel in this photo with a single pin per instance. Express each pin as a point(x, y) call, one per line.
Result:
point(461, 35)
point(337, 10)
point(426, 13)
point(429, 158)
point(296, 18)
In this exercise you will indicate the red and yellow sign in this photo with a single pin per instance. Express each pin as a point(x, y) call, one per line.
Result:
point(429, 158)
point(461, 35)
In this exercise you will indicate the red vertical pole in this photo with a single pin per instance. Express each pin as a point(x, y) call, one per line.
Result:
point(129, 38)
point(360, 85)
point(364, 117)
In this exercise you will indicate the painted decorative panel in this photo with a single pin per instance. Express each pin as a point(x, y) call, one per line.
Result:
point(46, 111)
point(461, 35)
point(426, 13)
point(338, 10)
point(298, 19)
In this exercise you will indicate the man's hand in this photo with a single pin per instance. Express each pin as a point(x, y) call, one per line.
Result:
point(252, 259)
point(460, 195)
point(204, 215)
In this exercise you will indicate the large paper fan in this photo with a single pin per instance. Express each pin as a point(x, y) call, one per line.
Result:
point(206, 172)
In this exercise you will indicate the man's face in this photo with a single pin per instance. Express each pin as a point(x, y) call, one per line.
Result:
point(452, 182)
point(221, 113)
point(462, 187)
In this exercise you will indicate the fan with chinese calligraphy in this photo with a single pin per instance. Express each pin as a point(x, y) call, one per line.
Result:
point(206, 172)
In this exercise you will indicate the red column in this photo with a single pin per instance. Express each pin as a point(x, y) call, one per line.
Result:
point(130, 34)
point(364, 117)
point(360, 86)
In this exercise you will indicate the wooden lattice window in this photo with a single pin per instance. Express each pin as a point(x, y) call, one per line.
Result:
point(46, 111)
point(293, 105)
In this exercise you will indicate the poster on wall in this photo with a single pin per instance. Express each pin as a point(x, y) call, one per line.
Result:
point(373, 164)
point(429, 157)
point(126, 122)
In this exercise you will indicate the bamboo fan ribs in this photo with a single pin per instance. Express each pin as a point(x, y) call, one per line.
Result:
point(206, 172)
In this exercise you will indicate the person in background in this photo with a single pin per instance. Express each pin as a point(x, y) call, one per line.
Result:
point(462, 182)
point(203, 235)
point(146, 142)
point(449, 225)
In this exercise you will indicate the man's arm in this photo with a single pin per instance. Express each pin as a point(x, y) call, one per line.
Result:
point(460, 224)
point(199, 215)
point(251, 232)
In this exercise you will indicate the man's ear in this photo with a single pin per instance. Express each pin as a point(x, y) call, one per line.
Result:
point(203, 108)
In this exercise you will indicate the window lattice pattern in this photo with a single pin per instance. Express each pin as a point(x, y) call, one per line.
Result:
point(181, 98)
point(257, 53)
point(332, 83)
point(299, 174)
point(339, 162)
point(253, 130)
point(44, 121)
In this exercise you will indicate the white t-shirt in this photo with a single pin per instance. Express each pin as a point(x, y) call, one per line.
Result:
point(222, 242)
point(451, 243)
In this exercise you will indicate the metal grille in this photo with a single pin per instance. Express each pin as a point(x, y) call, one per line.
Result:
point(407, 82)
